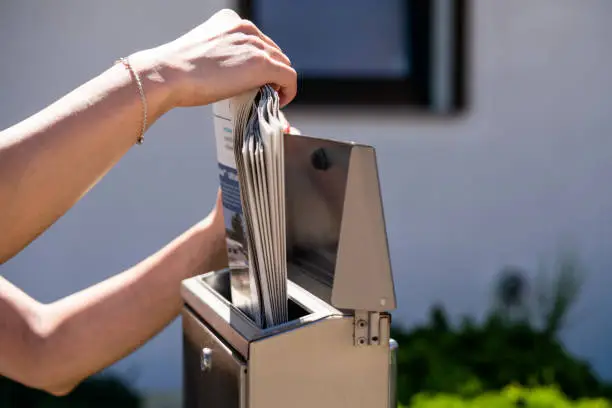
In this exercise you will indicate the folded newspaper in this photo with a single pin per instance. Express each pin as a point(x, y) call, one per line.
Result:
point(249, 134)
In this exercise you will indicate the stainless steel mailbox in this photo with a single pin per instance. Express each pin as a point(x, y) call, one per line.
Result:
point(335, 350)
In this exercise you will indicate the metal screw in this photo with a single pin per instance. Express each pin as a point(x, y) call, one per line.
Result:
point(206, 359)
point(362, 323)
point(361, 340)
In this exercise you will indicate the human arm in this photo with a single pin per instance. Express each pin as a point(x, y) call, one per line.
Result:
point(51, 159)
point(55, 346)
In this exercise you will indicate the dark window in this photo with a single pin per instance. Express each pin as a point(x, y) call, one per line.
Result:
point(365, 52)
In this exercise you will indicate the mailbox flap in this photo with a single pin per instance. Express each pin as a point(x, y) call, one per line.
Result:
point(336, 236)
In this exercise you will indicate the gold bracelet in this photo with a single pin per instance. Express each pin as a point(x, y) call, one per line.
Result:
point(143, 98)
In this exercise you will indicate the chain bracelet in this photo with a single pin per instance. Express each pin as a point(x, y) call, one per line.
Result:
point(143, 98)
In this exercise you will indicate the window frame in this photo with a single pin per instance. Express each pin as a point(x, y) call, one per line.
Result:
point(417, 90)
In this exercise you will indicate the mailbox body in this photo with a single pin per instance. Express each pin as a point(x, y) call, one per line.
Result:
point(310, 362)
point(335, 349)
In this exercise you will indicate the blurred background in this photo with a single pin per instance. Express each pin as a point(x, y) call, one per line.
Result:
point(492, 124)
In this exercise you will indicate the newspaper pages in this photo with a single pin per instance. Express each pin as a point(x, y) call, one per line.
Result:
point(249, 134)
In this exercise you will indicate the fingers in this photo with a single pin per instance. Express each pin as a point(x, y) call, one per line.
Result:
point(287, 94)
point(281, 75)
point(230, 17)
point(226, 16)
point(276, 68)
point(284, 79)
point(248, 27)
point(219, 202)
point(274, 52)
point(257, 42)
point(217, 24)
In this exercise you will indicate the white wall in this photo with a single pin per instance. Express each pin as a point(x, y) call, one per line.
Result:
point(527, 167)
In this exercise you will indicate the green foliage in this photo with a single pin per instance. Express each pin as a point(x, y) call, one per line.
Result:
point(510, 397)
point(515, 344)
point(95, 392)
point(472, 359)
point(556, 296)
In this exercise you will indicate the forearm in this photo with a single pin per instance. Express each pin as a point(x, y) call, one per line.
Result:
point(94, 328)
point(50, 160)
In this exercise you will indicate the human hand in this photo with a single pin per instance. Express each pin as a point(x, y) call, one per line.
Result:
point(222, 58)
point(214, 223)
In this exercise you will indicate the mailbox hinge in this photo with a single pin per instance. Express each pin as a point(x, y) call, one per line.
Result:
point(366, 330)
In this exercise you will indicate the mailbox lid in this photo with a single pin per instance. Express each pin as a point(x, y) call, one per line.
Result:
point(337, 245)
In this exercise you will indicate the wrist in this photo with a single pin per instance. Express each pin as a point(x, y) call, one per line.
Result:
point(202, 248)
point(158, 88)
point(213, 228)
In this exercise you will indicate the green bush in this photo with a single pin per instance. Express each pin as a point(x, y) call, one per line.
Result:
point(95, 392)
point(471, 360)
point(510, 397)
